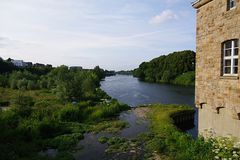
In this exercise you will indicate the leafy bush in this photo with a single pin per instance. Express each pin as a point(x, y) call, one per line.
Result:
point(23, 105)
point(49, 129)
point(42, 112)
point(9, 119)
point(107, 110)
point(28, 130)
point(70, 114)
point(31, 85)
point(3, 81)
point(225, 148)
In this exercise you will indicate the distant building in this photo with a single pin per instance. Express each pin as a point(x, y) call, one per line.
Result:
point(217, 73)
point(29, 64)
point(76, 67)
point(49, 65)
point(39, 65)
point(19, 63)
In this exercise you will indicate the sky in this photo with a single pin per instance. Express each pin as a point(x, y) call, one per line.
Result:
point(114, 34)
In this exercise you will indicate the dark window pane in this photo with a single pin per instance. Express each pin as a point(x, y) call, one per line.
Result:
point(231, 4)
point(228, 44)
point(236, 51)
point(236, 43)
point(227, 63)
point(235, 62)
point(227, 70)
point(235, 70)
point(228, 53)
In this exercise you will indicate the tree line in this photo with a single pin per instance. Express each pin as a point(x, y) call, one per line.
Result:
point(176, 68)
point(68, 84)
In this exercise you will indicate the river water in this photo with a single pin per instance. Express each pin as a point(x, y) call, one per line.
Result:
point(131, 91)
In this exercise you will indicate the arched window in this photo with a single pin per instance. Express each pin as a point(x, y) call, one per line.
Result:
point(230, 57)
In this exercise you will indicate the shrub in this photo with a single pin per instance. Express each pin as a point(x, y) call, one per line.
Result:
point(3, 81)
point(44, 112)
point(28, 129)
point(70, 114)
point(9, 119)
point(13, 84)
point(49, 129)
point(31, 85)
point(22, 84)
point(23, 105)
point(225, 148)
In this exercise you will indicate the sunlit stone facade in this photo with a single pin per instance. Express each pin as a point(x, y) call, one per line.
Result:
point(217, 76)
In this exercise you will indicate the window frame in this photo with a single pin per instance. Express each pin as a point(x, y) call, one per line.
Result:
point(232, 57)
point(230, 6)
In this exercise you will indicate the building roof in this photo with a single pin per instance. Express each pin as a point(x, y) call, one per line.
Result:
point(199, 3)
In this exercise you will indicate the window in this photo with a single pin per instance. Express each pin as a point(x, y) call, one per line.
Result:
point(231, 4)
point(230, 57)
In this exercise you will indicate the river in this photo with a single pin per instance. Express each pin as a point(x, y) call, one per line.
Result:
point(131, 91)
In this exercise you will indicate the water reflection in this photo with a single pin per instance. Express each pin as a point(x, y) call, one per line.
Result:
point(133, 92)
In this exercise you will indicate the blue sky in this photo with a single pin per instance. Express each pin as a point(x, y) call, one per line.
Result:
point(114, 34)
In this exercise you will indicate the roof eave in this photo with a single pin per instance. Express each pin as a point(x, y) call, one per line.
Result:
point(199, 3)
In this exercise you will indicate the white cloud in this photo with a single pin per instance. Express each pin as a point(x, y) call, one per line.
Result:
point(164, 16)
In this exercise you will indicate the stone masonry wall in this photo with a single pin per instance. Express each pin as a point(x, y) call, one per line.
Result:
point(218, 96)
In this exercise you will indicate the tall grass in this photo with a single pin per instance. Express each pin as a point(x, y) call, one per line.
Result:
point(167, 140)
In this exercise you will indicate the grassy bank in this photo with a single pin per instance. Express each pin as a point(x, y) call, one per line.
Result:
point(166, 140)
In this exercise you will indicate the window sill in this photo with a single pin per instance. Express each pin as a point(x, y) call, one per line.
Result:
point(232, 8)
point(230, 77)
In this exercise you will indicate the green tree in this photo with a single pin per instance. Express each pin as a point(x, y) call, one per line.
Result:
point(166, 68)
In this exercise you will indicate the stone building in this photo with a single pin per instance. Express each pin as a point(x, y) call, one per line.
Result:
point(217, 74)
